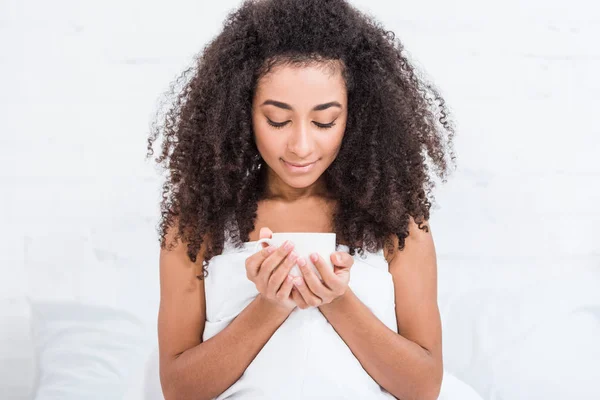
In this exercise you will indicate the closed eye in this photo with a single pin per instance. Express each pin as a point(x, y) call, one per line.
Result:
point(279, 125)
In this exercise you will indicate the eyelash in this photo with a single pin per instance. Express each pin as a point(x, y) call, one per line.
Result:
point(281, 125)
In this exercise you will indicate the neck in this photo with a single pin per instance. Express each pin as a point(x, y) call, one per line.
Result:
point(277, 189)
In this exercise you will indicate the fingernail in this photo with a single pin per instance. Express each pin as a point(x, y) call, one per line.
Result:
point(298, 281)
point(270, 249)
point(338, 258)
point(288, 245)
point(314, 257)
point(301, 261)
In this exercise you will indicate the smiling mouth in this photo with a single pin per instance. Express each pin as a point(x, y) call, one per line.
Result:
point(299, 165)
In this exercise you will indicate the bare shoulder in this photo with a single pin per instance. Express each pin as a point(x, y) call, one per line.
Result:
point(417, 237)
point(414, 273)
point(182, 309)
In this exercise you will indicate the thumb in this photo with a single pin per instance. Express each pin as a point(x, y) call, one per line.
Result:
point(265, 233)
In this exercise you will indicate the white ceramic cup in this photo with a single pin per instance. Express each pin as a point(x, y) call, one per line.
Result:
point(305, 243)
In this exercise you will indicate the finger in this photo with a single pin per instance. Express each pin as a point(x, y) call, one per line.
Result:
point(325, 270)
point(258, 258)
point(297, 297)
point(312, 280)
point(281, 272)
point(309, 297)
point(341, 259)
point(265, 233)
point(286, 288)
point(273, 261)
point(254, 262)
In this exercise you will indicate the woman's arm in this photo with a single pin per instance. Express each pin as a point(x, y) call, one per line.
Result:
point(407, 364)
point(190, 368)
point(209, 368)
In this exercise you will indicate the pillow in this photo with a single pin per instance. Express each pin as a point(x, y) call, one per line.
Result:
point(146, 383)
point(558, 359)
point(534, 341)
point(455, 389)
point(17, 350)
point(85, 351)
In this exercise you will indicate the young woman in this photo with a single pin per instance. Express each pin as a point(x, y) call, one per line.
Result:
point(300, 116)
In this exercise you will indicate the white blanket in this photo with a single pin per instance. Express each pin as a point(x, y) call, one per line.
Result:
point(146, 385)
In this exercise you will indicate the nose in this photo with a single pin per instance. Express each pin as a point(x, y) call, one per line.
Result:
point(300, 141)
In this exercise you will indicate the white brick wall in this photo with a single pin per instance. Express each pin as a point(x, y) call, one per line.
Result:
point(80, 81)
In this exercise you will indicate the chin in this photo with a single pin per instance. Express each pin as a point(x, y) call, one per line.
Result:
point(298, 182)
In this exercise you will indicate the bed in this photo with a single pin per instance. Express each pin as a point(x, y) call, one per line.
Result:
point(85, 328)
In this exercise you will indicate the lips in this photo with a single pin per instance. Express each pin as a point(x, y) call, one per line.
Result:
point(300, 165)
point(297, 168)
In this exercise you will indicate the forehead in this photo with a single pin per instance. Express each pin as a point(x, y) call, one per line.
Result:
point(313, 83)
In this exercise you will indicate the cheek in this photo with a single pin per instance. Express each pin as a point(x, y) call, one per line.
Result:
point(333, 143)
point(267, 144)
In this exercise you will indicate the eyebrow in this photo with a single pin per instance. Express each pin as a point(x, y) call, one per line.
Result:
point(285, 106)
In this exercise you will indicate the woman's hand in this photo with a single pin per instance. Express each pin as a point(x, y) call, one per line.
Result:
point(269, 269)
point(310, 291)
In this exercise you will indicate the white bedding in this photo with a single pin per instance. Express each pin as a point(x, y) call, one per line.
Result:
point(511, 332)
point(18, 367)
point(86, 352)
point(146, 385)
point(536, 339)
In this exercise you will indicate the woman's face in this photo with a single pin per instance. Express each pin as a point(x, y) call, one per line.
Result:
point(299, 117)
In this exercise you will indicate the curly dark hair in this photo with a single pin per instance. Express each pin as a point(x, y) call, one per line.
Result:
point(398, 127)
